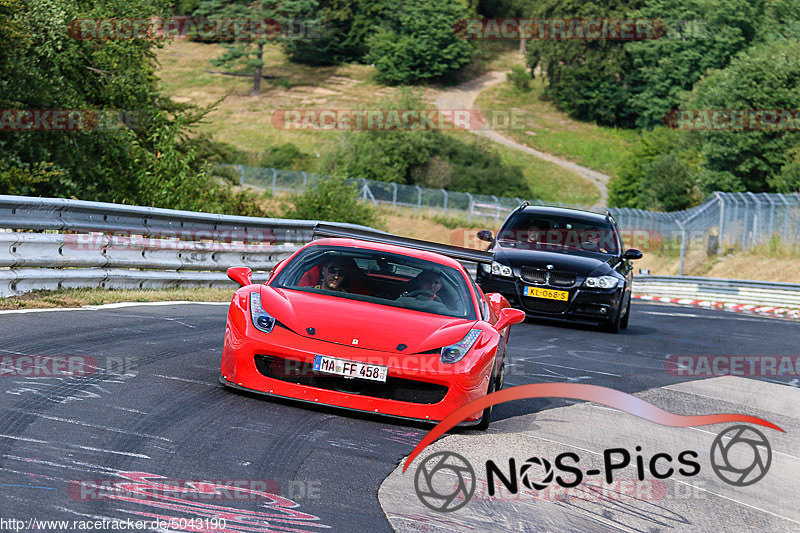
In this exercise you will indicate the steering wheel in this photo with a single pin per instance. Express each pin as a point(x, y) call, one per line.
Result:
point(419, 292)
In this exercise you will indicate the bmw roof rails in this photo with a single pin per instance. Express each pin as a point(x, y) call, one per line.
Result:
point(456, 252)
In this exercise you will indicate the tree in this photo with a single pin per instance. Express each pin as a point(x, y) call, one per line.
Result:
point(124, 162)
point(333, 199)
point(339, 29)
point(417, 43)
point(660, 172)
point(700, 35)
point(764, 77)
point(247, 46)
point(585, 78)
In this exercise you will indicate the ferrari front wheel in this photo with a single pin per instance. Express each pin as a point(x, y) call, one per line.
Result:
point(494, 385)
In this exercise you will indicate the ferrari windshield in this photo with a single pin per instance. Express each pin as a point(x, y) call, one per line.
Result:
point(554, 232)
point(379, 277)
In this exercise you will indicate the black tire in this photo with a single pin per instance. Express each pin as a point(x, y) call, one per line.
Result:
point(494, 385)
point(627, 317)
point(613, 326)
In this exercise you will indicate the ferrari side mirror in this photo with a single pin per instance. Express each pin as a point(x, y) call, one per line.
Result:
point(508, 317)
point(240, 275)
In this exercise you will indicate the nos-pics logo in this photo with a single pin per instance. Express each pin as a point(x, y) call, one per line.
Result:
point(445, 481)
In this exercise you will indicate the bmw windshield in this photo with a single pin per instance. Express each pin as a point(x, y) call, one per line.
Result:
point(537, 231)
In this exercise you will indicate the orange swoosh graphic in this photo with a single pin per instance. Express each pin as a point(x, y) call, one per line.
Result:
point(576, 391)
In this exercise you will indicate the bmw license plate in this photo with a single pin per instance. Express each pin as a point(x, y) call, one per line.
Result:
point(538, 292)
point(350, 369)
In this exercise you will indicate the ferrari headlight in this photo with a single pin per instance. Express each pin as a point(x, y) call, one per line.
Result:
point(456, 352)
point(602, 282)
point(262, 320)
point(501, 270)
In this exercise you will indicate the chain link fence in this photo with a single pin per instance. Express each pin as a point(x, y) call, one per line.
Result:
point(387, 193)
point(724, 222)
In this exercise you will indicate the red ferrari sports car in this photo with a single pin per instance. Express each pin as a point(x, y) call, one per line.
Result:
point(370, 322)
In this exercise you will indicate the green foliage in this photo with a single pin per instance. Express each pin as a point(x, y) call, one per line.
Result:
point(335, 200)
point(286, 156)
point(764, 77)
point(788, 179)
point(153, 161)
point(339, 30)
point(427, 158)
point(701, 35)
point(660, 172)
point(417, 43)
point(246, 51)
point(519, 78)
point(585, 77)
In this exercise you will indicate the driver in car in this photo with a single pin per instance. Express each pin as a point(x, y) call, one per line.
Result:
point(428, 284)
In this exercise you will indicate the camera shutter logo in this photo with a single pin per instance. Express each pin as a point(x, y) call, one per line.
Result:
point(734, 442)
point(527, 476)
point(445, 482)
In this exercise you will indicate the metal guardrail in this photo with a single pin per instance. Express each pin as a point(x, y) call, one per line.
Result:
point(60, 214)
point(732, 291)
point(157, 248)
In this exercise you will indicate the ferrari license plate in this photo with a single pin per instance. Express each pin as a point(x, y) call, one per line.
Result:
point(350, 369)
point(537, 292)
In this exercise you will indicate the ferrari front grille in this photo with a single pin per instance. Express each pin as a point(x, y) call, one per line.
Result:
point(404, 390)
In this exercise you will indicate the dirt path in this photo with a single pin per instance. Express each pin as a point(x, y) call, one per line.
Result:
point(463, 97)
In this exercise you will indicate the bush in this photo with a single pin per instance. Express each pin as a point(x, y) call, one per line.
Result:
point(520, 78)
point(417, 43)
point(284, 156)
point(333, 200)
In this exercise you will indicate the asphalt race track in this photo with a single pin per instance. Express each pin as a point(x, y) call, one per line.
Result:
point(154, 409)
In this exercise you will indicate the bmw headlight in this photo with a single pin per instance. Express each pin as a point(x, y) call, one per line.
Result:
point(262, 320)
point(502, 270)
point(456, 352)
point(602, 282)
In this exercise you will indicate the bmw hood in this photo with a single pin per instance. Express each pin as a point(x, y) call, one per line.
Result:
point(582, 263)
point(361, 324)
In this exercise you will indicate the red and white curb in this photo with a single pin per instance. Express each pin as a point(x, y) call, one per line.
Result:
point(725, 306)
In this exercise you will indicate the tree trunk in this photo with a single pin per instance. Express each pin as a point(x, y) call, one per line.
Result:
point(523, 49)
point(257, 75)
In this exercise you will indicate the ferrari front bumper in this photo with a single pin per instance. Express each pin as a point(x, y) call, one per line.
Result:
point(418, 386)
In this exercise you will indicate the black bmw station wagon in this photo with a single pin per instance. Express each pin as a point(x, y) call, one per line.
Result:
point(560, 263)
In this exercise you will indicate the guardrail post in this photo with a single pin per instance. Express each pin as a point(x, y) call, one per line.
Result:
point(241, 175)
point(305, 179)
point(683, 246)
point(419, 197)
point(445, 201)
point(744, 220)
point(471, 205)
point(274, 180)
point(394, 196)
point(721, 202)
point(785, 216)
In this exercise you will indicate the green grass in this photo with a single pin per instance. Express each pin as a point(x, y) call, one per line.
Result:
point(244, 121)
point(599, 148)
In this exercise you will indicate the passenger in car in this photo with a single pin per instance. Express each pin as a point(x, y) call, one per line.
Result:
point(334, 275)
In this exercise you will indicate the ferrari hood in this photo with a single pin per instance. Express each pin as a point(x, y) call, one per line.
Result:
point(362, 324)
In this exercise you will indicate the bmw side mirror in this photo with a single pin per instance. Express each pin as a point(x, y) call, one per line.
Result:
point(632, 254)
point(240, 275)
point(508, 317)
point(485, 235)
